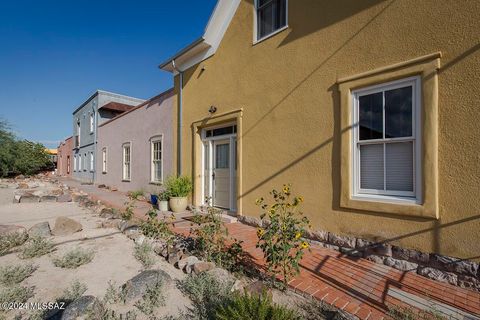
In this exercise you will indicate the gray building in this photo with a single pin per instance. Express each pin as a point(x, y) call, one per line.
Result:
point(98, 108)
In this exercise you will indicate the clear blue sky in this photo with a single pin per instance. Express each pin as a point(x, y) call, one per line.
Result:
point(55, 53)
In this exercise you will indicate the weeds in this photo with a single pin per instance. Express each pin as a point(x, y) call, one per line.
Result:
point(17, 294)
point(127, 214)
point(74, 291)
point(157, 228)
point(409, 313)
point(113, 294)
point(14, 274)
point(11, 240)
point(36, 246)
point(74, 258)
point(206, 293)
point(151, 299)
point(134, 195)
point(144, 254)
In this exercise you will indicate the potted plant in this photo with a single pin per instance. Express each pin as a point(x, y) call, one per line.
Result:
point(163, 198)
point(178, 188)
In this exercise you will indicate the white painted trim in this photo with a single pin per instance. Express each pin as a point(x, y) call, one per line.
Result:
point(104, 159)
point(157, 138)
point(385, 195)
point(92, 162)
point(255, 24)
point(129, 144)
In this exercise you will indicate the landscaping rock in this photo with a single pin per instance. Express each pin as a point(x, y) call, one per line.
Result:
point(41, 229)
point(376, 259)
point(16, 198)
point(410, 255)
point(464, 267)
point(48, 199)
point(113, 189)
point(438, 275)
point(352, 252)
point(381, 249)
point(222, 275)
point(182, 264)
point(106, 212)
point(469, 283)
point(125, 225)
point(239, 285)
point(137, 286)
point(175, 256)
point(400, 264)
point(251, 221)
point(22, 185)
point(101, 186)
point(341, 241)
point(9, 229)
point(64, 198)
point(65, 226)
point(83, 307)
point(257, 288)
point(317, 235)
point(29, 198)
point(139, 239)
point(77, 197)
point(201, 266)
point(111, 223)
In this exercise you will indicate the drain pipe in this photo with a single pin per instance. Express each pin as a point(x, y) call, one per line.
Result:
point(179, 119)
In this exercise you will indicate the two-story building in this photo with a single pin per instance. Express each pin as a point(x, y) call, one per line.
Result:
point(369, 108)
point(98, 108)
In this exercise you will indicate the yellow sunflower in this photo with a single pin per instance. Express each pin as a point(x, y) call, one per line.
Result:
point(298, 235)
point(305, 245)
point(260, 232)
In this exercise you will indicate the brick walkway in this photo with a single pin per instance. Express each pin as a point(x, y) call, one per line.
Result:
point(356, 285)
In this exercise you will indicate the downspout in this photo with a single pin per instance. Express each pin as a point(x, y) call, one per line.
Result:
point(179, 119)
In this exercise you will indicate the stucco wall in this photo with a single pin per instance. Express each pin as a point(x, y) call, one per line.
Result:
point(65, 151)
point(284, 92)
point(151, 119)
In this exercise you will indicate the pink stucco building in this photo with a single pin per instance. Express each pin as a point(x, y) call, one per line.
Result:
point(64, 157)
point(135, 149)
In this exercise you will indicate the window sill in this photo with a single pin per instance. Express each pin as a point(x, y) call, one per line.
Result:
point(104, 172)
point(158, 183)
point(270, 35)
point(386, 199)
point(123, 180)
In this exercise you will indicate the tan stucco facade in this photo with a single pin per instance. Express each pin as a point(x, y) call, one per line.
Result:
point(289, 96)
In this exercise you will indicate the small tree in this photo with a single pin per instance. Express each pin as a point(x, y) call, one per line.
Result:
point(281, 240)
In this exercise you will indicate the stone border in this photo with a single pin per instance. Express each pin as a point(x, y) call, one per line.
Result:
point(455, 271)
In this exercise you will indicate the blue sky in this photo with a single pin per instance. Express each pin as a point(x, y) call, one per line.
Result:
point(54, 54)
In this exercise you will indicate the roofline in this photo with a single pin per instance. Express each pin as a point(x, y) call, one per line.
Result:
point(181, 52)
point(137, 107)
point(98, 91)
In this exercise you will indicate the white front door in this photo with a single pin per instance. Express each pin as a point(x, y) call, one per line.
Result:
point(221, 173)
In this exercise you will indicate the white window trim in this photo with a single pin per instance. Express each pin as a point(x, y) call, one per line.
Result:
point(129, 144)
point(92, 162)
point(154, 139)
point(104, 159)
point(92, 121)
point(85, 161)
point(255, 24)
point(74, 163)
point(390, 196)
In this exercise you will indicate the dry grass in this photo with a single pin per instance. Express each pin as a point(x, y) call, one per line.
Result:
point(14, 274)
point(74, 258)
point(144, 254)
point(11, 240)
point(36, 247)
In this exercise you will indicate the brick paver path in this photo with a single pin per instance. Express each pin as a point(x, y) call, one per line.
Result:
point(356, 285)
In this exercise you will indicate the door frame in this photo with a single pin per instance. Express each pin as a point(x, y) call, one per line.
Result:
point(207, 146)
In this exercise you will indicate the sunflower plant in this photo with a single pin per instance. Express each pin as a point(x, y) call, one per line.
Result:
point(281, 240)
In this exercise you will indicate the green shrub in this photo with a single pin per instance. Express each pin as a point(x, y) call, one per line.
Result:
point(11, 240)
point(113, 294)
point(211, 238)
point(15, 294)
point(74, 258)
point(127, 213)
point(281, 240)
point(157, 228)
point(254, 307)
point(163, 196)
point(36, 246)
point(206, 293)
point(151, 299)
point(74, 291)
point(144, 254)
point(14, 274)
point(179, 186)
point(134, 195)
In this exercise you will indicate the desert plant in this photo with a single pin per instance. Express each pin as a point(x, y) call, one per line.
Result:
point(157, 228)
point(74, 258)
point(151, 299)
point(14, 274)
point(11, 240)
point(134, 195)
point(179, 186)
point(127, 213)
point(36, 246)
point(206, 293)
point(15, 294)
point(281, 240)
point(113, 294)
point(163, 196)
point(409, 313)
point(254, 307)
point(74, 291)
point(211, 238)
point(144, 254)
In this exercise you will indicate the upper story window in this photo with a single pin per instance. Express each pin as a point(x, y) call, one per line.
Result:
point(387, 140)
point(92, 122)
point(271, 16)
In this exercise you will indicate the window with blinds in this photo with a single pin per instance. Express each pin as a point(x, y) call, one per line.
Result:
point(126, 162)
point(156, 149)
point(386, 150)
point(271, 17)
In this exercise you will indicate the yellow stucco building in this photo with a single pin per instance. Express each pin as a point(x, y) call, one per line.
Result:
point(368, 108)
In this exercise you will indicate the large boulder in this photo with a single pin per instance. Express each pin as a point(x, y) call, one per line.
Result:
point(48, 198)
point(9, 229)
point(41, 229)
point(64, 198)
point(82, 308)
point(137, 286)
point(201, 266)
point(222, 275)
point(188, 261)
point(29, 198)
point(65, 226)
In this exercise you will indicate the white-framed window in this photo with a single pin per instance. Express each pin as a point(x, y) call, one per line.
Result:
point(104, 160)
point(271, 16)
point(156, 157)
point(126, 175)
point(91, 162)
point(387, 154)
point(85, 161)
point(79, 162)
point(92, 121)
point(75, 163)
